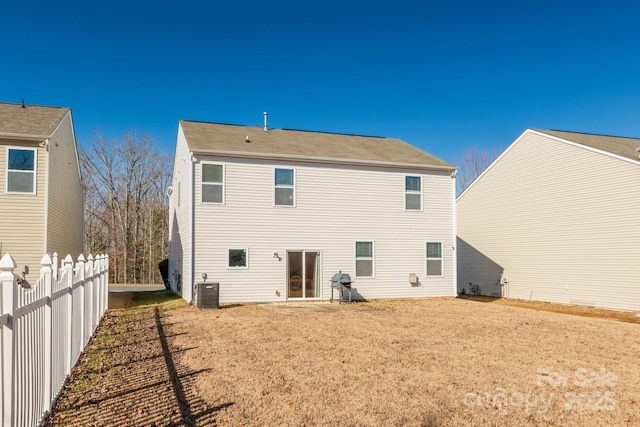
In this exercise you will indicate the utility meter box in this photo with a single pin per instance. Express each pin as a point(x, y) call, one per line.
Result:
point(208, 295)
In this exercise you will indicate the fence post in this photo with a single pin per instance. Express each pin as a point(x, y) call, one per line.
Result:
point(90, 295)
point(54, 266)
point(46, 275)
point(105, 273)
point(67, 269)
point(7, 283)
point(101, 286)
point(81, 274)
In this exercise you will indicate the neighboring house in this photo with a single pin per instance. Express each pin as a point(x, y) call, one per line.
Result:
point(557, 216)
point(41, 193)
point(272, 215)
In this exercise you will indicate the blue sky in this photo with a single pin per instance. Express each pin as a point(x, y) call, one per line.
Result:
point(441, 75)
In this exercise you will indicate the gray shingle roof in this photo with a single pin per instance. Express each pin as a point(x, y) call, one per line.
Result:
point(33, 120)
point(622, 146)
point(227, 139)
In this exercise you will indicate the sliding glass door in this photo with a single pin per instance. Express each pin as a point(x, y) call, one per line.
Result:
point(303, 274)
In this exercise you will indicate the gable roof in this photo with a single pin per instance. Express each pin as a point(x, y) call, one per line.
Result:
point(31, 121)
point(230, 141)
point(619, 145)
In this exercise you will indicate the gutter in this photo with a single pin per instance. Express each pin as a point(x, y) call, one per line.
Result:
point(24, 136)
point(320, 160)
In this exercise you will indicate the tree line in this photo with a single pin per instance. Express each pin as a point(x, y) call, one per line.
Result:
point(126, 207)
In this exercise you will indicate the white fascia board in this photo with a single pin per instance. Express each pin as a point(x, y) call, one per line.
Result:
point(23, 136)
point(321, 160)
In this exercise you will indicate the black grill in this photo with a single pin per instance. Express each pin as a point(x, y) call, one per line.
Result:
point(342, 283)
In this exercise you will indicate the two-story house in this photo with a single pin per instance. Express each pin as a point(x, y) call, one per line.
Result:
point(41, 192)
point(273, 214)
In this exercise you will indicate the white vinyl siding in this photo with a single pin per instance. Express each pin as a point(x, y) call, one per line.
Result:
point(21, 170)
point(284, 187)
point(413, 192)
point(23, 224)
point(364, 259)
point(329, 217)
point(560, 220)
point(212, 183)
point(65, 194)
point(181, 227)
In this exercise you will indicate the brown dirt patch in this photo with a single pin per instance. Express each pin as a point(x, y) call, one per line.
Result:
point(409, 362)
point(119, 299)
point(600, 313)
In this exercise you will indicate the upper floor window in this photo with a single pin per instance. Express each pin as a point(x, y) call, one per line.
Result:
point(284, 187)
point(21, 170)
point(212, 183)
point(413, 192)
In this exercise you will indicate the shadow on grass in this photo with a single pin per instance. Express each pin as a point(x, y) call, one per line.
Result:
point(131, 374)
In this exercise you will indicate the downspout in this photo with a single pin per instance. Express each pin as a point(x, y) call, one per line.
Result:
point(454, 211)
point(192, 206)
point(45, 144)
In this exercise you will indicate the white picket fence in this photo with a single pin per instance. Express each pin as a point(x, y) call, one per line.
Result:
point(44, 329)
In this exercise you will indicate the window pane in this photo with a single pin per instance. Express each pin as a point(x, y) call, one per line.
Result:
point(364, 268)
point(284, 196)
point(21, 160)
point(434, 250)
point(413, 201)
point(237, 258)
point(212, 173)
point(284, 177)
point(434, 267)
point(412, 183)
point(212, 193)
point(364, 250)
point(20, 182)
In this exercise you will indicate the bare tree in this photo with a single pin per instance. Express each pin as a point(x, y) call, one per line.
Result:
point(471, 163)
point(126, 204)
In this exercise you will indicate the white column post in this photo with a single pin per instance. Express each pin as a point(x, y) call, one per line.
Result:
point(8, 294)
point(47, 277)
point(81, 274)
point(67, 269)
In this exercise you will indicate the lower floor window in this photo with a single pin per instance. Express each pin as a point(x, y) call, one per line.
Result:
point(434, 259)
point(364, 259)
point(237, 258)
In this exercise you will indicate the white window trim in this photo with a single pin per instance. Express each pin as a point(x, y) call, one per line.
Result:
point(426, 272)
point(238, 248)
point(35, 171)
point(224, 183)
point(295, 181)
point(373, 258)
point(421, 192)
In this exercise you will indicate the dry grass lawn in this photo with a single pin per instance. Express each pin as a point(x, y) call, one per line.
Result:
point(419, 362)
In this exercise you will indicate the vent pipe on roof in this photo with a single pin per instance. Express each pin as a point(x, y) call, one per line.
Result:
point(265, 121)
point(22, 102)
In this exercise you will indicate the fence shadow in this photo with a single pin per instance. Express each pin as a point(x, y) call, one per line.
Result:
point(136, 379)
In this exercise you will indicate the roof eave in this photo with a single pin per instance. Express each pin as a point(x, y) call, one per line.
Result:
point(320, 160)
point(23, 136)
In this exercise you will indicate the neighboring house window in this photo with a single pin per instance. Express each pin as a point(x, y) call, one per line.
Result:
point(284, 187)
point(364, 259)
point(434, 259)
point(21, 171)
point(238, 258)
point(212, 183)
point(413, 192)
